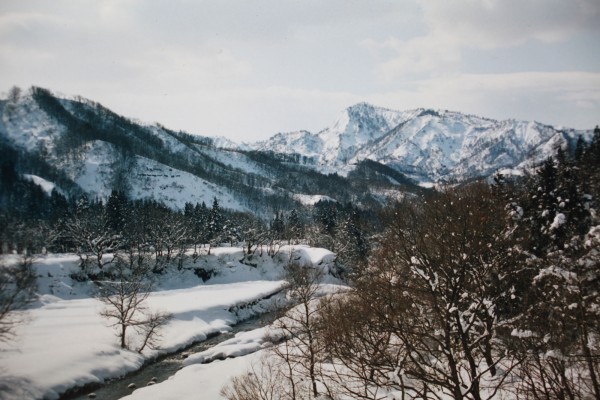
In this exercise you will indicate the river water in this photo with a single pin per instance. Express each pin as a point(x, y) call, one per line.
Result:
point(161, 369)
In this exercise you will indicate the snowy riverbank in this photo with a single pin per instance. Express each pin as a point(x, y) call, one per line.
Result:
point(65, 343)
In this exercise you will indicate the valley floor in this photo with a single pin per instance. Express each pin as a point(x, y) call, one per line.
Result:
point(64, 342)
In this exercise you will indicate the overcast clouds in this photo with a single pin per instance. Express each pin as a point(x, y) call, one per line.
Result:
point(249, 69)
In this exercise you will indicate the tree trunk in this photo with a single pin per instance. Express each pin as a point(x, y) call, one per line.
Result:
point(123, 343)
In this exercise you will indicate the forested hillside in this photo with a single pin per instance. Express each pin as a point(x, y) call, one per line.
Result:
point(79, 147)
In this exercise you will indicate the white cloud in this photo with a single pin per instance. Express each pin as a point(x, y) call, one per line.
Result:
point(500, 23)
point(423, 55)
point(175, 70)
point(250, 69)
point(560, 98)
point(456, 26)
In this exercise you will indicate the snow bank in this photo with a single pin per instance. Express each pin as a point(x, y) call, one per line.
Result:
point(200, 381)
point(46, 185)
point(243, 343)
point(311, 200)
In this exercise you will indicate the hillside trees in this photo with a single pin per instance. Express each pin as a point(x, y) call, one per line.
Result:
point(342, 229)
point(94, 229)
point(429, 316)
point(26, 210)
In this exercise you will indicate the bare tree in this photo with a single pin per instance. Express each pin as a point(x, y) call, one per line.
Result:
point(292, 369)
point(435, 287)
point(91, 234)
point(364, 354)
point(168, 234)
point(302, 352)
point(125, 296)
point(14, 94)
point(17, 288)
point(263, 381)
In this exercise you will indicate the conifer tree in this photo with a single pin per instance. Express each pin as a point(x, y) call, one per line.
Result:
point(295, 228)
point(215, 222)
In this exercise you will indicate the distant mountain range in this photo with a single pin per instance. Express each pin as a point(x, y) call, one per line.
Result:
point(368, 155)
point(426, 145)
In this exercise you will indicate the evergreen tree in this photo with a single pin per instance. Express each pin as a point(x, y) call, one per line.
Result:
point(353, 248)
point(117, 211)
point(295, 227)
point(278, 226)
point(326, 214)
point(552, 332)
point(59, 206)
point(188, 210)
point(215, 222)
point(201, 228)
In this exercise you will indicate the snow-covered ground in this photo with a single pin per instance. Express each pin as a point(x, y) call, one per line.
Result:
point(65, 343)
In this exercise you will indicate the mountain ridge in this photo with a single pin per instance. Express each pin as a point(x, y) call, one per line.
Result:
point(368, 155)
point(425, 143)
point(93, 151)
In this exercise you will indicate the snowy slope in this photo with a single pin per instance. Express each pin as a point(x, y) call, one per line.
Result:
point(356, 127)
point(97, 166)
point(152, 180)
point(27, 126)
point(451, 146)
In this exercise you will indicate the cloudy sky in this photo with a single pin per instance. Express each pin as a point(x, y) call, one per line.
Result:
point(247, 69)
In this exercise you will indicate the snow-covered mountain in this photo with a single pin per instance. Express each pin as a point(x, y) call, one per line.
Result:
point(356, 127)
point(79, 147)
point(427, 145)
point(368, 155)
point(58, 134)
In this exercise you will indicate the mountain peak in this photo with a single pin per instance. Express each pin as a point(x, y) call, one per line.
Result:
point(361, 106)
point(367, 108)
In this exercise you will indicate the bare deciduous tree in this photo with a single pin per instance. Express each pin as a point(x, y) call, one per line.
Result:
point(364, 354)
point(125, 296)
point(90, 232)
point(17, 286)
point(435, 287)
point(262, 382)
point(302, 352)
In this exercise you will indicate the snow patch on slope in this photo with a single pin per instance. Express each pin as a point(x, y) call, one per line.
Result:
point(152, 180)
point(310, 199)
point(46, 185)
point(27, 126)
